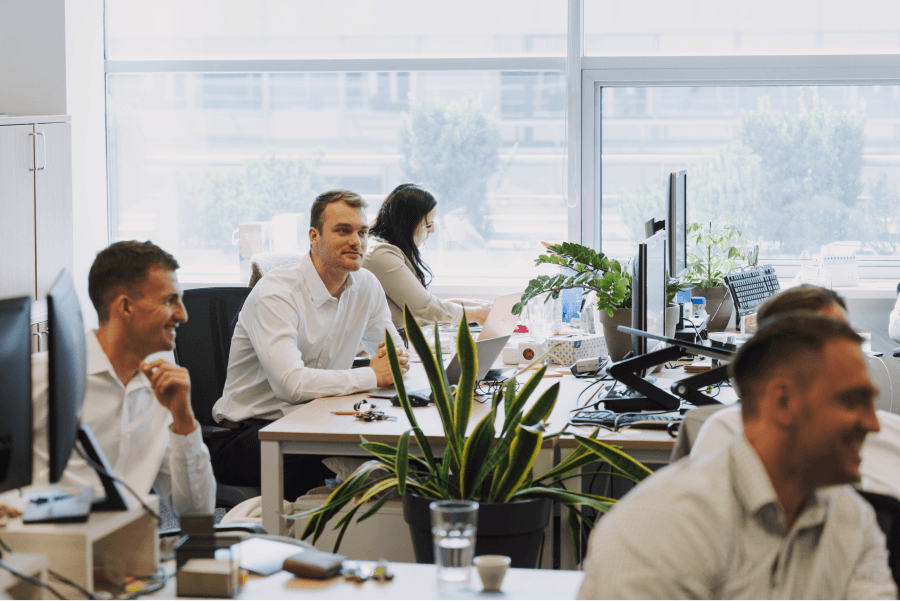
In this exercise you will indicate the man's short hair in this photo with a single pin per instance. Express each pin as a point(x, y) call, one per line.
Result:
point(122, 267)
point(804, 297)
point(789, 344)
point(326, 198)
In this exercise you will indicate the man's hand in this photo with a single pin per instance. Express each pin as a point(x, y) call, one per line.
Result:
point(172, 386)
point(382, 366)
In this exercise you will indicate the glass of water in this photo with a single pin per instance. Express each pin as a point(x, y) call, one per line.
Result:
point(453, 526)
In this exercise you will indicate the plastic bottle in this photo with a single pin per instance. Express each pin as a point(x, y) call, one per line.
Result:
point(699, 304)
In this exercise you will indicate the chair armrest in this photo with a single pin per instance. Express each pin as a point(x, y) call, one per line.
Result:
point(214, 432)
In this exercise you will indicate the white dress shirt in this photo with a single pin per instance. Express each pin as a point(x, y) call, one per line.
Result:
point(894, 323)
point(880, 467)
point(294, 342)
point(712, 528)
point(134, 432)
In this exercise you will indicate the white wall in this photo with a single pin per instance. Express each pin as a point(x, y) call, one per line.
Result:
point(32, 57)
point(85, 83)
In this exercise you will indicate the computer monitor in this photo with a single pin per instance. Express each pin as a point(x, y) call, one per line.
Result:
point(15, 383)
point(676, 223)
point(68, 372)
point(648, 292)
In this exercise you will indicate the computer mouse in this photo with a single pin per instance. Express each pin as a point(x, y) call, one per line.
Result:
point(415, 399)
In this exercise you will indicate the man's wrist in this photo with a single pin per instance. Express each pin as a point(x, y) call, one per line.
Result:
point(183, 422)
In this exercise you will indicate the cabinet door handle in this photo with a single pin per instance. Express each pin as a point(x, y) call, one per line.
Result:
point(34, 153)
point(44, 151)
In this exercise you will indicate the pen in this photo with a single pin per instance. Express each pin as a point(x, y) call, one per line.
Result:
point(346, 412)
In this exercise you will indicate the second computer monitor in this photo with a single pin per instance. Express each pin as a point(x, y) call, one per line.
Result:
point(676, 223)
point(15, 398)
point(68, 372)
point(648, 305)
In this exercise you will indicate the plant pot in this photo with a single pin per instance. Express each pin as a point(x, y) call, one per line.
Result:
point(673, 313)
point(618, 344)
point(512, 529)
point(718, 304)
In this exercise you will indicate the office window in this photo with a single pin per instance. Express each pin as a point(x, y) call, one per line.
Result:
point(260, 146)
point(735, 27)
point(797, 168)
point(244, 29)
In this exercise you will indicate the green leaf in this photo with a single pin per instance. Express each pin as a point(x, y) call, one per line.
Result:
point(621, 461)
point(402, 462)
point(468, 361)
point(474, 453)
point(522, 453)
point(543, 408)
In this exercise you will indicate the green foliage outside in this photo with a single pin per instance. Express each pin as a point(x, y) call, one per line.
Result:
point(791, 183)
point(454, 150)
point(257, 191)
point(715, 248)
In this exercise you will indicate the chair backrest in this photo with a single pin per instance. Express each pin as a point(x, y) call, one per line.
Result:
point(203, 343)
point(887, 511)
point(263, 263)
point(690, 427)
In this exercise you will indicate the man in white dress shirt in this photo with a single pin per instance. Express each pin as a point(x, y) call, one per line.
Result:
point(880, 466)
point(139, 411)
point(295, 340)
point(770, 516)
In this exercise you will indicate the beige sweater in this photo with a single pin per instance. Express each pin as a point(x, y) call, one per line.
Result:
point(401, 286)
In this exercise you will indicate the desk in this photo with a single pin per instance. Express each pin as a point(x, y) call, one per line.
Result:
point(313, 429)
point(411, 581)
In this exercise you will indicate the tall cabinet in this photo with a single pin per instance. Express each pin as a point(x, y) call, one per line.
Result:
point(36, 236)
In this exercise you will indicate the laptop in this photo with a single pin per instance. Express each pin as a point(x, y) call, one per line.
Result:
point(487, 350)
point(501, 321)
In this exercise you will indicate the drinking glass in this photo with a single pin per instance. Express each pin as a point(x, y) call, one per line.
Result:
point(453, 526)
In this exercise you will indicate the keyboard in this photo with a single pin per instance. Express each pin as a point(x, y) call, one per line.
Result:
point(751, 286)
point(611, 419)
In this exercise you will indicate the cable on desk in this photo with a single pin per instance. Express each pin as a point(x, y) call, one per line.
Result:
point(155, 583)
point(100, 469)
point(32, 580)
point(74, 585)
point(6, 547)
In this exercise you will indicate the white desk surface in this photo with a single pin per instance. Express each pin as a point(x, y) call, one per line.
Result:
point(411, 581)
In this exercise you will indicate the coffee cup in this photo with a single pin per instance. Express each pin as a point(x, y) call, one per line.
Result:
point(491, 569)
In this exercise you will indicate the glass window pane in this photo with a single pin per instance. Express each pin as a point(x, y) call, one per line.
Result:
point(213, 29)
point(733, 27)
point(795, 168)
point(194, 156)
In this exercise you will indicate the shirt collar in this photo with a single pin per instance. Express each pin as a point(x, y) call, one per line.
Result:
point(754, 488)
point(316, 286)
point(98, 363)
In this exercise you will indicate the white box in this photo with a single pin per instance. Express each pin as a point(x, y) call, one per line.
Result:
point(578, 346)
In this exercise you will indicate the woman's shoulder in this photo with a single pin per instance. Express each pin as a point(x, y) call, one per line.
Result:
point(383, 252)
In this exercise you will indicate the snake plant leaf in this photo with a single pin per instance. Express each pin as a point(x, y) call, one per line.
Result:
point(474, 453)
point(621, 461)
point(374, 508)
point(340, 536)
point(567, 497)
point(541, 410)
point(515, 409)
point(399, 384)
point(434, 368)
point(402, 462)
point(522, 454)
point(575, 531)
point(468, 362)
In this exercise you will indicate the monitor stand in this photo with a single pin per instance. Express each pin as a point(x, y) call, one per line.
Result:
point(689, 388)
point(61, 506)
point(648, 396)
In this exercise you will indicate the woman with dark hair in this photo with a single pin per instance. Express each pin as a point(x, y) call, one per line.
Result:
point(403, 224)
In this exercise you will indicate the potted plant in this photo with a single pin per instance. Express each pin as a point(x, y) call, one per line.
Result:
point(714, 249)
point(492, 465)
point(593, 271)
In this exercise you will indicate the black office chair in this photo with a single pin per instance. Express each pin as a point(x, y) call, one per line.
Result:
point(887, 511)
point(202, 346)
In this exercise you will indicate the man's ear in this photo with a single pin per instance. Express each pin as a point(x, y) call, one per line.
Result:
point(313, 237)
point(781, 400)
point(121, 306)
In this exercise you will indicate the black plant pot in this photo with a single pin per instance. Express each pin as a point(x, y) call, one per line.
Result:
point(511, 529)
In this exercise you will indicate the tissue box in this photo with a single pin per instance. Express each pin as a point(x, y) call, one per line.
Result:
point(579, 346)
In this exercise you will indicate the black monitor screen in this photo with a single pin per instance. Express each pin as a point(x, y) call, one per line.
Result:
point(676, 224)
point(68, 372)
point(15, 399)
point(649, 291)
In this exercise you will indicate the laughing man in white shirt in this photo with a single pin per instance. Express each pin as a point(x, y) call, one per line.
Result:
point(139, 411)
point(295, 341)
point(770, 516)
